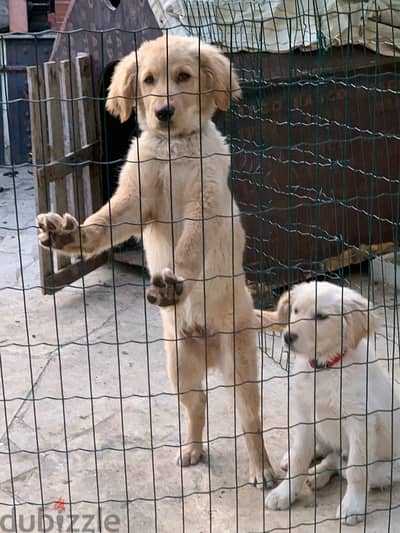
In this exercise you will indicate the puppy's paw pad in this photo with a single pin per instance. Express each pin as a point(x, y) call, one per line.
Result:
point(278, 499)
point(56, 230)
point(190, 455)
point(165, 288)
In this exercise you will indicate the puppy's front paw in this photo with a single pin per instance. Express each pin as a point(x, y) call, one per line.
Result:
point(190, 454)
point(166, 289)
point(57, 231)
point(260, 478)
point(352, 509)
point(279, 498)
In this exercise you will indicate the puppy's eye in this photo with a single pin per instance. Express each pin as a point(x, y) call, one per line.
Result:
point(183, 76)
point(320, 316)
point(295, 310)
point(149, 80)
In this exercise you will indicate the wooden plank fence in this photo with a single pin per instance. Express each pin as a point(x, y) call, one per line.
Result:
point(66, 156)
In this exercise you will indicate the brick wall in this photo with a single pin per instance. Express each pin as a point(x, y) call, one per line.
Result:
point(56, 19)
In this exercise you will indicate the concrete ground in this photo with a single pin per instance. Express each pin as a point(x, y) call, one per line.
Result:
point(87, 414)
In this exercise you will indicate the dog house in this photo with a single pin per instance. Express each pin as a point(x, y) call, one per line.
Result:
point(315, 158)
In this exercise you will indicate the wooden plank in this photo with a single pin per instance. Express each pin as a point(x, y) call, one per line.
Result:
point(60, 158)
point(57, 170)
point(89, 127)
point(69, 95)
point(39, 156)
point(87, 103)
point(53, 104)
point(263, 292)
point(130, 257)
point(96, 183)
point(37, 109)
point(69, 91)
point(58, 280)
point(353, 256)
point(56, 139)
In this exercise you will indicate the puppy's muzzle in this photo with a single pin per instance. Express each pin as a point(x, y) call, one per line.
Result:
point(164, 114)
point(290, 338)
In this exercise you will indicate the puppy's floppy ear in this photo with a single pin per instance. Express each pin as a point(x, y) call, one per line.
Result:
point(123, 88)
point(275, 320)
point(221, 79)
point(284, 308)
point(361, 321)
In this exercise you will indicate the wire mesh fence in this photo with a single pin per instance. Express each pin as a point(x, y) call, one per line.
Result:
point(93, 434)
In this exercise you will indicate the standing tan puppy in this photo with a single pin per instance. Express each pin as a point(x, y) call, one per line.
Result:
point(173, 193)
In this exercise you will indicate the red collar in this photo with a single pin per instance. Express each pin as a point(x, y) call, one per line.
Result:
point(338, 357)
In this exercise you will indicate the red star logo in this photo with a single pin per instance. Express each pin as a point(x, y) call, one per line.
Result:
point(59, 505)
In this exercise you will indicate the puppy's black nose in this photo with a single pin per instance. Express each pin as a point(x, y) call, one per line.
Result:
point(165, 113)
point(290, 338)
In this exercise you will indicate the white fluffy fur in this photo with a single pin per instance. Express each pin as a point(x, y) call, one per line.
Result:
point(357, 398)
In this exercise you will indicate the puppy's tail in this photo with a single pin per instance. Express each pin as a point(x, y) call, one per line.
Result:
point(275, 320)
point(269, 320)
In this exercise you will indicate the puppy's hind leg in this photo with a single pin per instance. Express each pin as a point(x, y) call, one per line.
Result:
point(320, 474)
point(321, 451)
point(239, 366)
point(186, 369)
point(383, 474)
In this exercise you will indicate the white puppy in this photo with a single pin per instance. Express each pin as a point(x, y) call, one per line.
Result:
point(338, 394)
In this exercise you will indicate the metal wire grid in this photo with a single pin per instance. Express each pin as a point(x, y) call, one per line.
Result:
point(64, 452)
